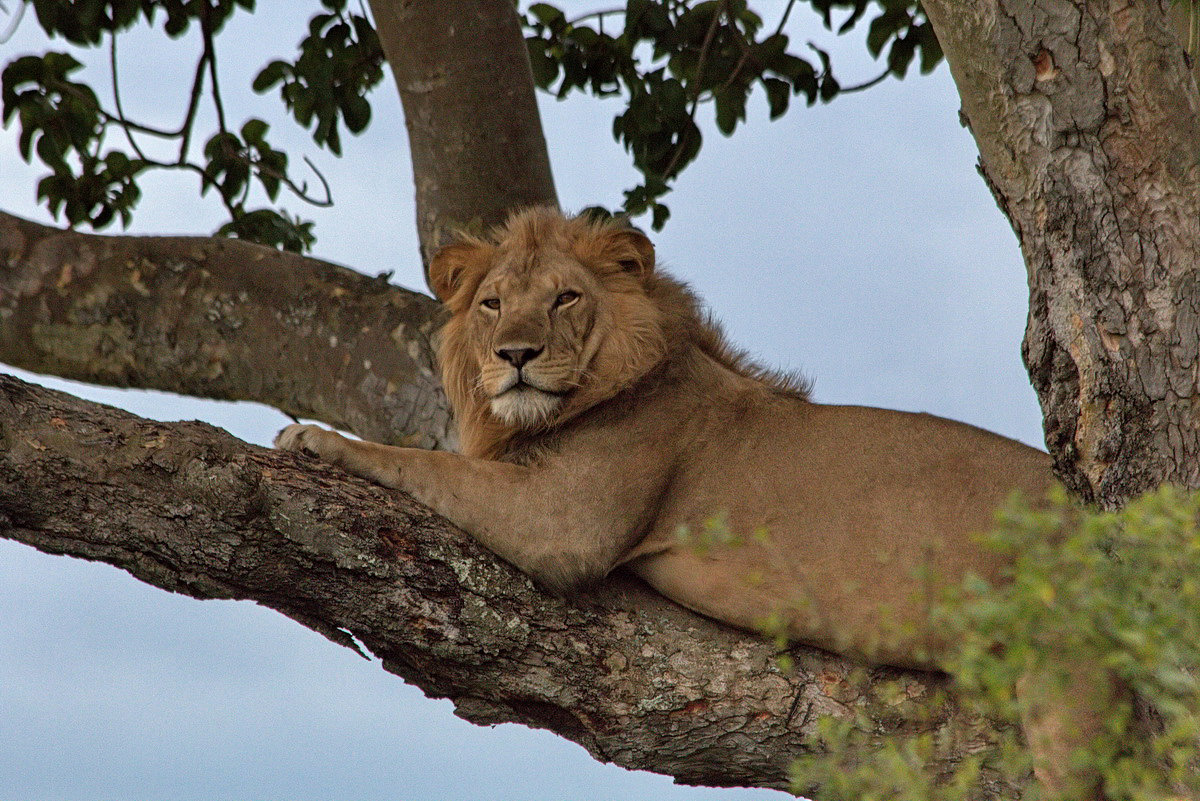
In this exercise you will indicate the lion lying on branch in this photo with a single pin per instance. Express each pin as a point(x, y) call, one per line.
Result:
point(605, 421)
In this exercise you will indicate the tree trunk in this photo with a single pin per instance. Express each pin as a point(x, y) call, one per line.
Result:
point(474, 131)
point(1085, 117)
point(627, 674)
point(220, 318)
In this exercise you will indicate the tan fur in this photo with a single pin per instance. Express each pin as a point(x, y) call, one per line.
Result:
point(645, 427)
point(638, 431)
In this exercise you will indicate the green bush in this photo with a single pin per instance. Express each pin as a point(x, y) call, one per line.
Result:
point(1116, 592)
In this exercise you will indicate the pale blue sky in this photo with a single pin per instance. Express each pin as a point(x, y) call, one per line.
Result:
point(854, 242)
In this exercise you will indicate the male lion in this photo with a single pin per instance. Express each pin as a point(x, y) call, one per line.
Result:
point(604, 421)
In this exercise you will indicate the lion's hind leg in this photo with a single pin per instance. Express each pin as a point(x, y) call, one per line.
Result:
point(1064, 708)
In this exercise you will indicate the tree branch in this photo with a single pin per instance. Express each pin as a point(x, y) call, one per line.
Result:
point(221, 318)
point(625, 673)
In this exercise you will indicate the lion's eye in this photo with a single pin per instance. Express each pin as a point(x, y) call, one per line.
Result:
point(566, 298)
point(490, 303)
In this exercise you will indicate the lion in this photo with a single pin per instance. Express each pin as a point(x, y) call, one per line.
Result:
point(604, 421)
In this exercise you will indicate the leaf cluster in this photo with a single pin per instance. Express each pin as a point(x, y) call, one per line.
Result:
point(65, 126)
point(1119, 590)
point(339, 63)
point(1115, 594)
point(667, 57)
point(899, 31)
point(231, 161)
point(61, 123)
point(86, 22)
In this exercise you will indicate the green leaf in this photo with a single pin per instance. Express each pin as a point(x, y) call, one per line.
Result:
point(547, 14)
point(254, 130)
point(901, 55)
point(545, 68)
point(731, 107)
point(930, 47)
point(693, 25)
point(882, 28)
point(829, 88)
point(270, 75)
point(356, 112)
point(634, 9)
point(51, 151)
point(271, 228)
point(302, 105)
point(660, 215)
point(117, 163)
point(778, 95)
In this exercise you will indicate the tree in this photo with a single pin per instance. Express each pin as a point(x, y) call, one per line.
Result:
point(1086, 121)
point(126, 360)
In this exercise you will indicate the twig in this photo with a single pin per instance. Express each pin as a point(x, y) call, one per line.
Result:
point(116, 85)
point(600, 15)
point(787, 11)
point(700, 76)
point(705, 47)
point(328, 201)
point(747, 54)
point(700, 64)
point(193, 105)
point(859, 87)
point(18, 15)
point(210, 52)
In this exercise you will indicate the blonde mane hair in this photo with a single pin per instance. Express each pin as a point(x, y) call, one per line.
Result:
point(647, 320)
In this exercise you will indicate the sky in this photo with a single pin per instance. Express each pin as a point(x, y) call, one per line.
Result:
point(854, 242)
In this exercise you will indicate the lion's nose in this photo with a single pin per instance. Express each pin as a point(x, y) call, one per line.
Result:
point(518, 357)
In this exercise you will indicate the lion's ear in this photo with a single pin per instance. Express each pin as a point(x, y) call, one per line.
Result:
point(451, 266)
point(633, 251)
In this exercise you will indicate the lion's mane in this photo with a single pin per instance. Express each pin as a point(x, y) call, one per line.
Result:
point(650, 321)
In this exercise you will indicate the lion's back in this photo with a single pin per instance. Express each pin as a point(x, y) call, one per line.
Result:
point(826, 515)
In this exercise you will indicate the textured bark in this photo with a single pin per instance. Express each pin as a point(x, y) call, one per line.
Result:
point(1085, 117)
point(219, 318)
point(474, 131)
point(633, 678)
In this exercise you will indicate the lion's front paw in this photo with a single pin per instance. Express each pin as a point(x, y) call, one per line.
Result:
point(299, 437)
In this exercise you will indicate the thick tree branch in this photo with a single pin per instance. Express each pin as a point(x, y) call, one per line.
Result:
point(220, 318)
point(631, 677)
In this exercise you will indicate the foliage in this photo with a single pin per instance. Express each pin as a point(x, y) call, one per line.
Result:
point(1115, 591)
point(666, 57)
point(63, 123)
point(340, 61)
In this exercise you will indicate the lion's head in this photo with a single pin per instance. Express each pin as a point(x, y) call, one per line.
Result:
point(549, 316)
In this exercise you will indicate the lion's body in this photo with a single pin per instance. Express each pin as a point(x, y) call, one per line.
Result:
point(857, 535)
point(605, 422)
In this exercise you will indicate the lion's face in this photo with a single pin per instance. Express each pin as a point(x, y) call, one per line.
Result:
point(548, 317)
point(533, 330)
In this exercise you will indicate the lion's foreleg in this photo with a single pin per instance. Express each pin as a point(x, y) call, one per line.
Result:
point(367, 460)
point(525, 515)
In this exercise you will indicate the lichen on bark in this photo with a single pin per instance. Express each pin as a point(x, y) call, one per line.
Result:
point(224, 319)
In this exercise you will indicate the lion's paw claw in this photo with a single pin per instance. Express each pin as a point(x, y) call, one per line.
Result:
point(296, 437)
